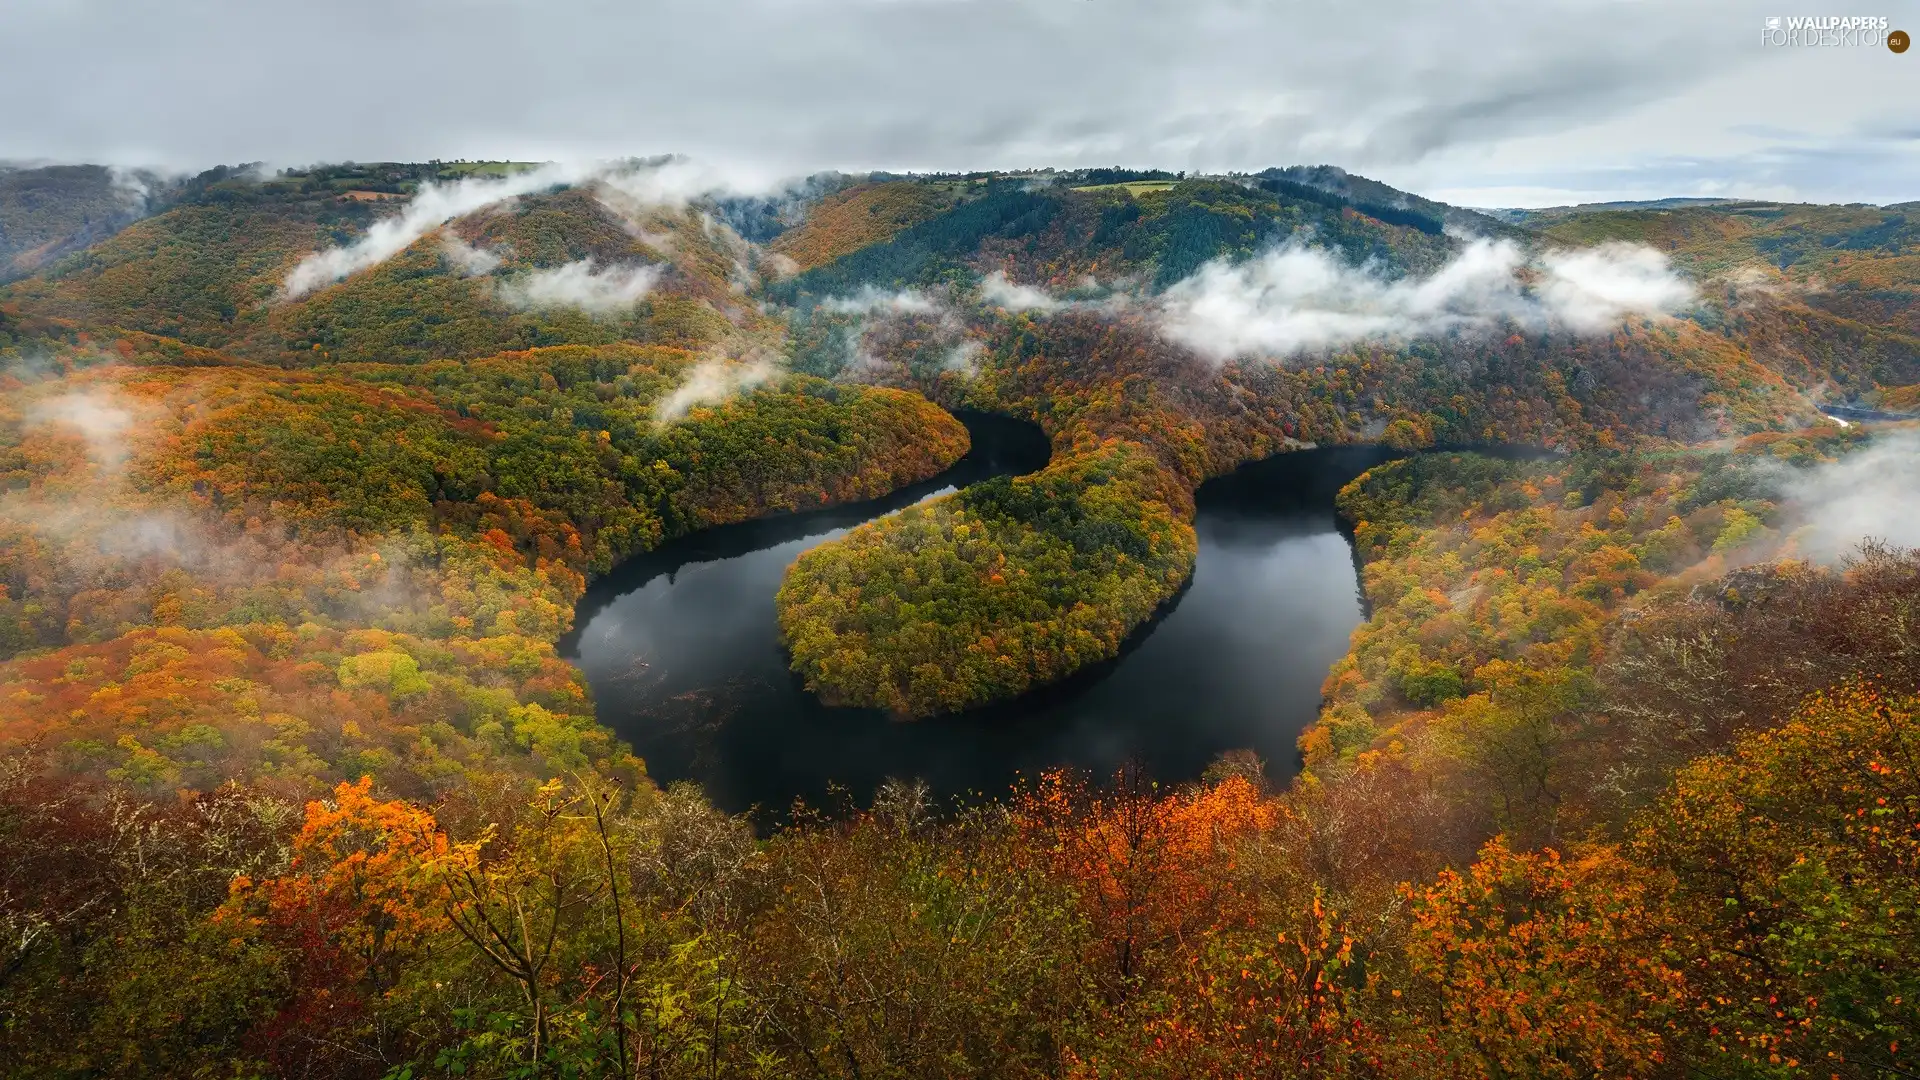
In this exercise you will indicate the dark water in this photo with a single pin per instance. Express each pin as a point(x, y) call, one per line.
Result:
point(683, 652)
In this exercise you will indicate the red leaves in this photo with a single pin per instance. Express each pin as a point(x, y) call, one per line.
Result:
point(1154, 869)
point(1547, 967)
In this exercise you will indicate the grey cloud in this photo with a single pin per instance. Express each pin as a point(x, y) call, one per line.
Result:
point(812, 84)
point(467, 260)
point(997, 290)
point(869, 301)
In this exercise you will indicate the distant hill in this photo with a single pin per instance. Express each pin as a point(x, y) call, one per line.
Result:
point(1825, 294)
point(1382, 200)
point(209, 270)
point(1535, 216)
point(1844, 281)
point(48, 211)
point(1056, 233)
point(860, 216)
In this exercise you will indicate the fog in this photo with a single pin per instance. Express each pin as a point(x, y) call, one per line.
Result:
point(714, 380)
point(596, 290)
point(1870, 494)
point(1301, 299)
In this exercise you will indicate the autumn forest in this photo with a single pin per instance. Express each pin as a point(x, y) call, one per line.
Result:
point(305, 473)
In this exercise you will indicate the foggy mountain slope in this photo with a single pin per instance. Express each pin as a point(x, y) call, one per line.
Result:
point(1827, 292)
point(545, 267)
point(1055, 235)
point(1366, 193)
point(49, 211)
point(861, 216)
point(1836, 321)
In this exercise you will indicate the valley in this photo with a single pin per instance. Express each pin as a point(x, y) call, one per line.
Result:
point(683, 652)
point(1070, 623)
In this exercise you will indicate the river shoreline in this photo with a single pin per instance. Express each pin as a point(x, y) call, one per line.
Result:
point(681, 648)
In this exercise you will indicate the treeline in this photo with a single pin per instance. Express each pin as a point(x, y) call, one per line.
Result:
point(1104, 177)
point(1392, 215)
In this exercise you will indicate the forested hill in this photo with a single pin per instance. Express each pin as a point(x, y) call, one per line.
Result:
point(50, 211)
point(1054, 292)
point(210, 271)
point(303, 473)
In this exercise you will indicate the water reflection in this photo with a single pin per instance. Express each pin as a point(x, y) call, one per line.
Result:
point(683, 653)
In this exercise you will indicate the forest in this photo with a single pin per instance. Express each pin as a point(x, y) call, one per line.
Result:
point(1620, 776)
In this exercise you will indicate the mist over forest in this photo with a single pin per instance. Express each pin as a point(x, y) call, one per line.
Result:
point(1089, 541)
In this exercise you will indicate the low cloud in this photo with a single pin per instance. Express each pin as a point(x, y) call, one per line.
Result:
point(997, 290)
point(467, 260)
point(580, 285)
point(1298, 299)
point(965, 357)
point(672, 182)
point(908, 332)
point(872, 301)
point(101, 418)
point(1589, 290)
point(1872, 494)
point(134, 187)
point(715, 380)
point(776, 266)
point(433, 206)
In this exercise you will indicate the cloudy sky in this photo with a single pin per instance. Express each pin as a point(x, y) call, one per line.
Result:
point(1483, 103)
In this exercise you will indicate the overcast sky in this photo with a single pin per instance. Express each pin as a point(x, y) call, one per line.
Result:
point(1481, 103)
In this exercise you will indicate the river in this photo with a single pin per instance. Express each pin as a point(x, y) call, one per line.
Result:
point(683, 652)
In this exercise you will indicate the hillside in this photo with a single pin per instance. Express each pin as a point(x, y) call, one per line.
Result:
point(847, 221)
point(210, 272)
point(1746, 357)
point(49, 211)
